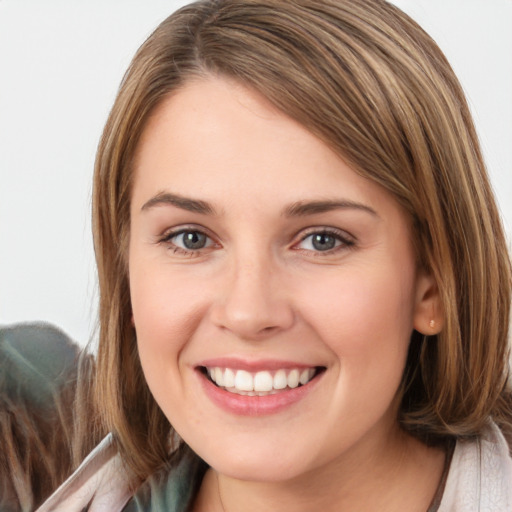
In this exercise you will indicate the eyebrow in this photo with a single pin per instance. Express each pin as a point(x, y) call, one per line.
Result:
point(297, 209)
point(185, 203)
point(303, 208)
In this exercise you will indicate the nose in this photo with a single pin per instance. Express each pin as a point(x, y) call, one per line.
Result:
point(252, 300)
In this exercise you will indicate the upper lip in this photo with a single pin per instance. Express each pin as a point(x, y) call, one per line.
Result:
point(254, 365)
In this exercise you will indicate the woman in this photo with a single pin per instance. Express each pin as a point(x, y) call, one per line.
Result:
point(305, 287)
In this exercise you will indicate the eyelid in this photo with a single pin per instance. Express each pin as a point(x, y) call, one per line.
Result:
point(169, 232)
point(347, 240)
point(166, 236)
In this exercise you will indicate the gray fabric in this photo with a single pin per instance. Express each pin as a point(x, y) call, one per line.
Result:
point(35, 362)
point(170, 491)
point(38, 373)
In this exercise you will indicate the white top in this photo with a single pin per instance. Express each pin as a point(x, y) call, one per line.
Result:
point(100, 484)
point(480, 476)
point(479, 480)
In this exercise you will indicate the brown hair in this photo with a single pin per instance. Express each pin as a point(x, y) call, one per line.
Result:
point(369, 82)
point(44, 394)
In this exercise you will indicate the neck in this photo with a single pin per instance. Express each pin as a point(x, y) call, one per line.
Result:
point(402, 475)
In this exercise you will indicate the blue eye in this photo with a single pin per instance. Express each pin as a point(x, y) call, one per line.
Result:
point(324, 241)
point(189, 240)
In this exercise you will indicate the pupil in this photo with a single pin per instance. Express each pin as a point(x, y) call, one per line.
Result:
point(323, 242)
point(194, 240)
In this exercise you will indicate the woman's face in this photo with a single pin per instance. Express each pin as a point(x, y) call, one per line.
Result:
point(258, 259)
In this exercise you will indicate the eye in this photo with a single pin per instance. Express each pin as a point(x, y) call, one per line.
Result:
point(325, 241)
point(187, 240)
point(192, 240)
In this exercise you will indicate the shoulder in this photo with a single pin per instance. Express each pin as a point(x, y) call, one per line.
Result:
point(480, 476)
point(104, 484)
point(101, 483)
point(173, 488)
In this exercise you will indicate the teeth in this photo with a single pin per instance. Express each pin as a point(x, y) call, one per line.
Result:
point(229, 378)
point(260, 383)
point(243, 380)
point(280, 380)
point(304, 377)
point(218, 377)
point(293, 379)
point(263, 381)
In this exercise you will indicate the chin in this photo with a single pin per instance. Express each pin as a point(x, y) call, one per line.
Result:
point(258, 464)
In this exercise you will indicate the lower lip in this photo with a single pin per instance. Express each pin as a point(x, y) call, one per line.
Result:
point(255, 405)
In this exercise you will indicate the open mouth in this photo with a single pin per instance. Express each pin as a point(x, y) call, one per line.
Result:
point(261, 383)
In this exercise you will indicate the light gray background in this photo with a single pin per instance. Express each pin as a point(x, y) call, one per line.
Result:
point(60, 65)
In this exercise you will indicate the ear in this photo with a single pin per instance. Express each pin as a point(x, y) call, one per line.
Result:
point(428, 314)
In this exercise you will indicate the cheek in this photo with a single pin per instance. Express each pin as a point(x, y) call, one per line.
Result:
point(364, 317)
point(366, 323)
point(166, 314)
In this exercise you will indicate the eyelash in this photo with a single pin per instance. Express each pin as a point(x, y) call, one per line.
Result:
point(345, 241)
point(167, 238)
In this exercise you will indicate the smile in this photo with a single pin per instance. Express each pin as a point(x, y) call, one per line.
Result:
point(261, 383)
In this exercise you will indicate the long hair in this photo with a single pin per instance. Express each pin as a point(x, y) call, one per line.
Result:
point(370, 83)
point(45, 396)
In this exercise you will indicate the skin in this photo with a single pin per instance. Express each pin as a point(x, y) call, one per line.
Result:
point(260, 290)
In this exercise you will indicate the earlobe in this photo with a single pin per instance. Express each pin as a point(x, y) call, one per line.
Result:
point(428, 314)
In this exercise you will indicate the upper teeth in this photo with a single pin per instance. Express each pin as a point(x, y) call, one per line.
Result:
point(259, 382)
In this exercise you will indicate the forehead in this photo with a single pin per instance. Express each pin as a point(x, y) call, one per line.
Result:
point(216, 139)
